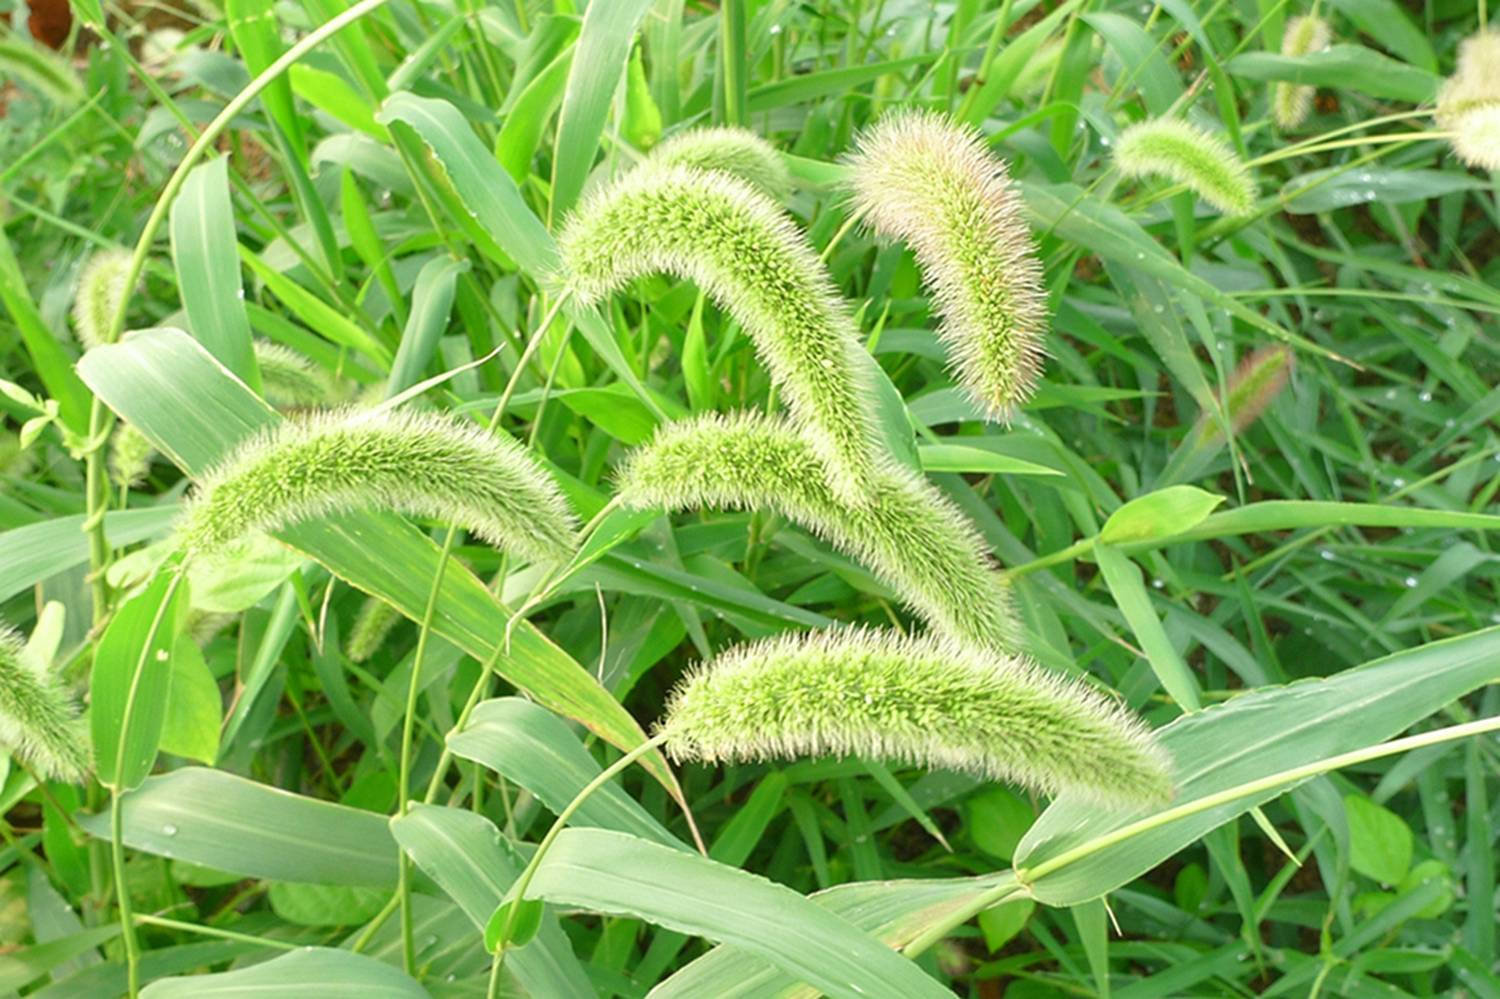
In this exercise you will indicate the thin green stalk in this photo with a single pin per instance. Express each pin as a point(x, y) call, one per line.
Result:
point(214, 931)
point(408, 724)
point(1028, 876)
point(518, 892)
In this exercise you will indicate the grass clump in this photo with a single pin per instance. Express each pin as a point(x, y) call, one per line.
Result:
point(906, 532)
point(922, 178)
point(1291, 102)
point(738, 246)
point(38, 720)
point(1469, 104)
point(735, 151)
point(1189, 155)
point(425, 464)
point(881, 696)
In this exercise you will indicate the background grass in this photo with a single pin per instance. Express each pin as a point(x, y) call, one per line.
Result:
point(363, 239)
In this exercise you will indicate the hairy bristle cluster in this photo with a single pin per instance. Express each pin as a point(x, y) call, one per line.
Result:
point(1256, 382)
point(904, 530)
point(372, 626)
point(38, 720)
point(920, 701)
point(1188, 155)
point(924, 179)
point(288, 379)
point(130, 455)
point(1291, 102)
point(735, 151)
point(739, 247)
point(101, 289)
point(1469, 104)
point(421, 463)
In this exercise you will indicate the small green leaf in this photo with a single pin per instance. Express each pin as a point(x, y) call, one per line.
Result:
point(1380, 843)
point(194, 709)
point(1159, 515)
point(528, 920)
point(1005, 921)
point(997, 819)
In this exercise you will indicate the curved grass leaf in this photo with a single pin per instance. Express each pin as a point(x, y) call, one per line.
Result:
point(309, 971)
point(615, 873)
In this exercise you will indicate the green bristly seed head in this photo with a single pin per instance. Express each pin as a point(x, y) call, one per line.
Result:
point(38, 720)
point(739, 247)
point(1469, 104)
point(926, 180)
point(905, 531)
point(372, 626)
point(423, 464)
point(1291, 102)
point(735, 151)
point(129, 457)
point(1187, 154)
point(288, 379)
point(918, 701)
point(101, 289)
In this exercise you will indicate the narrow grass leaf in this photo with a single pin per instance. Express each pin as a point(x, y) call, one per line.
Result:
point(205, 254)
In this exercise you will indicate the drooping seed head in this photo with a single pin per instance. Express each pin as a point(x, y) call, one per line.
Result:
point(1469, 103)
point(130, 457)
point(289, 379)
point(421, 463)
point(101, 289)
point(372, 626)
point(734, 151)
point(1189, 155)
point(1291, 102)
point(739, 247)
point(934, 184)
point(905, 531)
point(1255, 384)
point(38, 719)
point(920, 701)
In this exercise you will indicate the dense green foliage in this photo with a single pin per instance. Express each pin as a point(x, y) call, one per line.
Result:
point(1034, 461)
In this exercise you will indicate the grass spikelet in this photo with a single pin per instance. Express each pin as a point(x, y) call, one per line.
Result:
point(38, 720)
point(1469, 103)
point(923, 701)
point(1256, 382)
point(735, 151)
point(372, 626)
point(1291, 102)
point(906, 532)
point(1187, 154)
point(288, 379)
point(101, 288)
point(933, 183)
point(739, 247)
point(424, 464)
point(130, 457)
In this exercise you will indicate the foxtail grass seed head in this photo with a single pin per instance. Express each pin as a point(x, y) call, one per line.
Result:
point(130, 455)
point(1291, 102)
point(101, 289)
point(1189, 155)
point(372, 626)
point(744, 252)
point(735, 151)
point(1255, 384)
point(1469, 104)
point(926, 180)
point(421, 463)
point(905, 531)
point(288, 379)
point(38, 719)
point(877, 695)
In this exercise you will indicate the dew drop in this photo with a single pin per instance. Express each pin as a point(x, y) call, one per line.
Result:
point(169, 830)
point(1411, 582)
